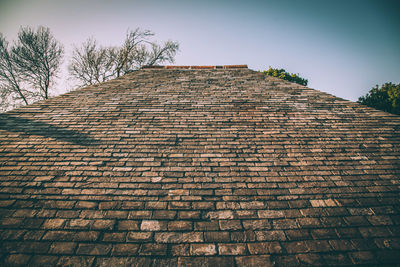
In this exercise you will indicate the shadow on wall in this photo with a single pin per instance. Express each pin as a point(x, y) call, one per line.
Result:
point(32, 127)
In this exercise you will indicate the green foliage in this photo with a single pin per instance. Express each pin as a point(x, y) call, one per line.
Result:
point(386, 98)
point(291, 77)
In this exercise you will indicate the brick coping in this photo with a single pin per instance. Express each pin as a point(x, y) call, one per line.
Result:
point(197, 67)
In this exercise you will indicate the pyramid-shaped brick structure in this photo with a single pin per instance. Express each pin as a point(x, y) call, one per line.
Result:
point(199, 166)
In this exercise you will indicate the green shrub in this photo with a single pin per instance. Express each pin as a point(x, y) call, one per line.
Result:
point(281, 73)
point(386, 98)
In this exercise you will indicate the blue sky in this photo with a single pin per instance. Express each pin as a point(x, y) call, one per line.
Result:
point(342, 47)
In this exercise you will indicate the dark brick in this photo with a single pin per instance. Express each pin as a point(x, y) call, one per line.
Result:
point(128, 225)
point(62, 248)
point(261, 260)
point(153, 249)
point(205, 261)
point(75, 261)
point(93, 249)
point(17, 259)
point(310, 259)
point(216, 236)
point(125, 249)
point(114, 237)
point(232, 249)
point(42, 260)
point(362, 257)
point(264, 248)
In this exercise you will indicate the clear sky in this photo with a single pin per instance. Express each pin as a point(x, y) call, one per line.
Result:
point(343, 47)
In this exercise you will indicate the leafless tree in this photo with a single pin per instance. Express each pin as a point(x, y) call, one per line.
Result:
point(11, 91)
point(93, 64)
point(38, 57)
point(29, 67)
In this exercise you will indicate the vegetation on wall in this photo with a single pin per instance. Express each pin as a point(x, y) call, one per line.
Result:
point(282, 74)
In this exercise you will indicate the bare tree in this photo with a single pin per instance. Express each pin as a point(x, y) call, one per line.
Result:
point(11, 91)
point(29, 67)
point(38, 57)
point(93, 64)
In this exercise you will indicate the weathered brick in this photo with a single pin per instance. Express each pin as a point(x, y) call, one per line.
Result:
point(243, 236)
point(164, 214)
point(53, 224)
point(75, 261)
point(310, 259)
point(62, 248)
point(216, 236)
point(93, 249)
point(86, 236)
point(139, 214)
point(205, 261)
point(264, 248)
point(230, 225)
point(153, 249)
point(17, 259)
point(362, 257)
point(125, 249)
point(139, 236)
point(206, 226)
point(232, 249)
point(43, 260)
point(116, 214)
point(256, 224)
point(254, 261)
point(114, 237)
point(226, 214)
point(273, 235)
point(103, 224)
point(128, 225)
point(79, 224)
point(202, 249)
point(272, 214)
point(188, 214)
point(179, 237)
point(152, 225)
point(180, 226)
point(86, 205)
point(58, 236)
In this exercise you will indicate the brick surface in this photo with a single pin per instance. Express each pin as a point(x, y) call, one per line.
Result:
point(202, 249)
point(199, 166)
